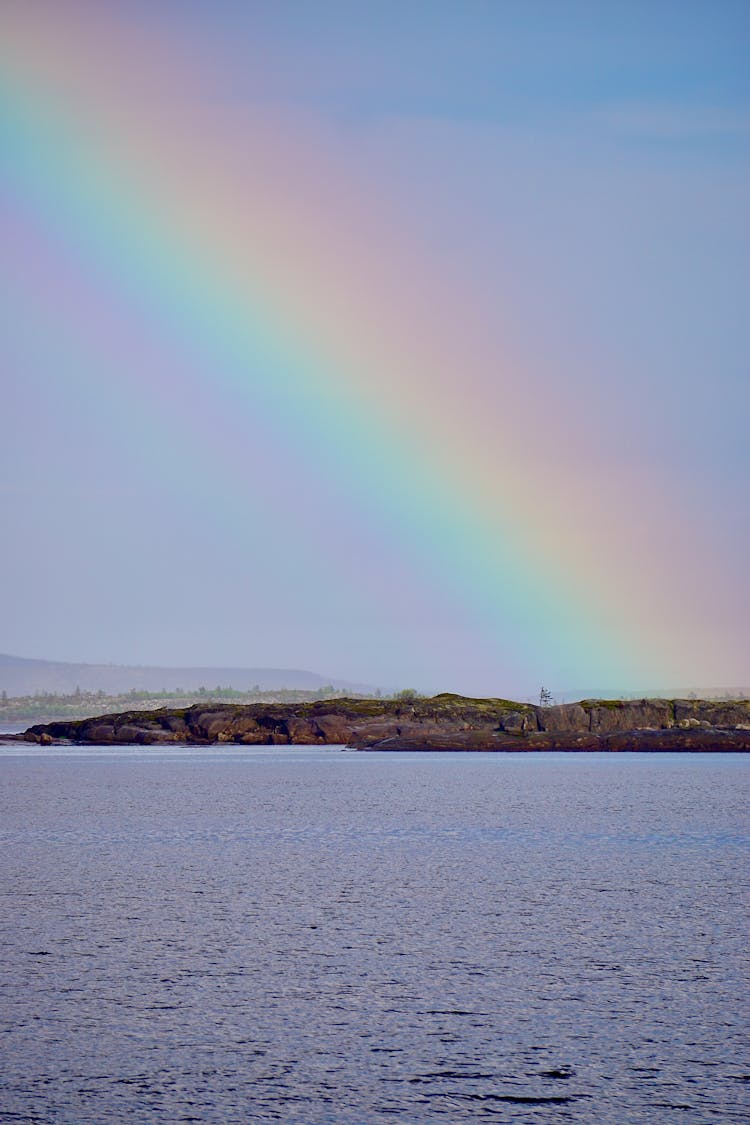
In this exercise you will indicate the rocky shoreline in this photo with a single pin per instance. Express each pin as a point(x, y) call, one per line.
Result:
point(443, 722)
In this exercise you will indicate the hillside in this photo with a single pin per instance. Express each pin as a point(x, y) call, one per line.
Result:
point(21, 676)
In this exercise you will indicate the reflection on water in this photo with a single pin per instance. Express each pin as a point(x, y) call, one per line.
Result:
point(310, 936)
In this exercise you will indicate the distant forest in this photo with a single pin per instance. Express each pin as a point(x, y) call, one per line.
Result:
point(48, 706)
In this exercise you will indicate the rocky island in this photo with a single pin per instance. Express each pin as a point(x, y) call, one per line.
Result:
point(443, 722)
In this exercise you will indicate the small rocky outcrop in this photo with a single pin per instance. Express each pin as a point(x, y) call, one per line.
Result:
point(444, 722)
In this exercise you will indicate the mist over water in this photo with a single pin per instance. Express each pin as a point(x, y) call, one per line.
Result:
point(323, 937)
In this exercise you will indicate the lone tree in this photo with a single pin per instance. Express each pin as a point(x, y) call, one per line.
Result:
point(545, 697)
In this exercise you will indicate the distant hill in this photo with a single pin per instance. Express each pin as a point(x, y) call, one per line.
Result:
point(700, 692)
point(22, 676)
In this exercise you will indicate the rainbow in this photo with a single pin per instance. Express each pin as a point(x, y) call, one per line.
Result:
point(271, 296)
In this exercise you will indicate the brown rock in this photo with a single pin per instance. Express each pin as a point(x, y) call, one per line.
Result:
point(176, 724)
point(562, 740)
point(652, 714)
point(566, 717)
point(96, 732)
point(515, 721)
point(712, 713)
point(252, 738)
point(336, 729)
point(304, 732)
point(698, 739)
point(132, 733)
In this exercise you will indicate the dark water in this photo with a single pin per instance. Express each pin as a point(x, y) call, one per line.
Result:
point(313, 936)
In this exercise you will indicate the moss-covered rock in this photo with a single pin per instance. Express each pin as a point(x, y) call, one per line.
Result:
point(444, 721)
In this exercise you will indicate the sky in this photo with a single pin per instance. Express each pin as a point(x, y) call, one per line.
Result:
point(403, 342)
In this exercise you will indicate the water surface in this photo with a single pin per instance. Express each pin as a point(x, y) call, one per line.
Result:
point(305, 935)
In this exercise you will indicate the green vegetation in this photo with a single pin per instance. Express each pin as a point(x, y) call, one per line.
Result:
point(609, 704)
point(86, 704)
point(50, 707)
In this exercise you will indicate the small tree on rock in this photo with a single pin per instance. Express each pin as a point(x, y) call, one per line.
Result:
point(407, 695)
point(545, 697)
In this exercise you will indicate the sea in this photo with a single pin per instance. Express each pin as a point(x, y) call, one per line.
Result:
point(309, 935)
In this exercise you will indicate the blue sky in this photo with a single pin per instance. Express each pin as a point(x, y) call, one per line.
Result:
point(576, 174)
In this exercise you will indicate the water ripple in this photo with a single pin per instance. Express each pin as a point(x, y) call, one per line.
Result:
point(330, 939)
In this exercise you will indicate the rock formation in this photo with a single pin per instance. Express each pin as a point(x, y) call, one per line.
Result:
point(444, 722)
